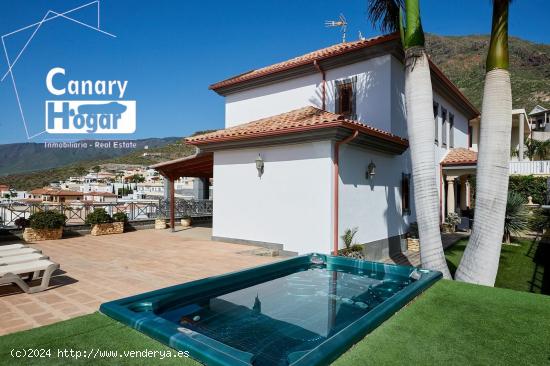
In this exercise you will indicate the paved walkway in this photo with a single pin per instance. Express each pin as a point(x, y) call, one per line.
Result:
point(413, 258)
point(96, 269)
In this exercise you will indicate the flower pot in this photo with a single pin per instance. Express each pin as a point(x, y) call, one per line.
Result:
point(108, 228)
point(160, 224)
point(186, 222)
point(448, 228)
point(31, 234)
point(413, 245)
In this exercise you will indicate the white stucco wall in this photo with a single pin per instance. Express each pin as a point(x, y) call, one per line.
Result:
point(290, 204)
point(269, 100)
point(373, 206)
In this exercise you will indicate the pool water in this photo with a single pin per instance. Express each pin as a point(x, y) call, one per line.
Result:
point(305, 310)
point(279, 319)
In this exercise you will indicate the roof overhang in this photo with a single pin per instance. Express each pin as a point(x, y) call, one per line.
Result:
point(200, 165)
point(334, 132)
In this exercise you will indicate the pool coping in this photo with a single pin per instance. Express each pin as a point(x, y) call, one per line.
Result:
point(213, 352)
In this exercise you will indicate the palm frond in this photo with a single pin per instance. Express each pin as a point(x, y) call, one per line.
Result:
point(384, 14)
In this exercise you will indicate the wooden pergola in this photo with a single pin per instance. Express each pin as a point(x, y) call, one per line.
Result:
point(200, 165)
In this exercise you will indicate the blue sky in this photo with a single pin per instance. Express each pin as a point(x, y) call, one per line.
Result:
point(170, 51)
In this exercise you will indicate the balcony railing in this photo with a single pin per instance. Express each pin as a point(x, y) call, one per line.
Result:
point(541, 167)
point(77, 212)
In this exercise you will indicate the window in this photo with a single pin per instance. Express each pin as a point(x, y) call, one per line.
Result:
point(451, 130)
point(470, 135)
point(345, 97)
point(443, 127)
point(405, 194)
point(436, 113)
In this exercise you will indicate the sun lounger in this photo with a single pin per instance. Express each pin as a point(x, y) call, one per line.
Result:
point(22, 258)
point(10, 253)
point(14, 273)
point(12, 246)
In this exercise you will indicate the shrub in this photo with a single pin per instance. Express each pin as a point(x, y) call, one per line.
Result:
point(21, 223)
point(528, 185)
point(99, 216)
point(539, 220)
point(517, 216)
point(348, 237)
point(452, 219)
point(47, 220)
point(120, 217)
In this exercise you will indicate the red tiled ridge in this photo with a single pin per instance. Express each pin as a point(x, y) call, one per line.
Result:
point(55, 192)
point(299, 120)
point(460, 156)
point(308, 58)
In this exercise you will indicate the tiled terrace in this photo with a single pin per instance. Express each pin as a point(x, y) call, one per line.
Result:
point(95, 269)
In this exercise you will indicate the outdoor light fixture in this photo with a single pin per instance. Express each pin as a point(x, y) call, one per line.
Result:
point(371, 170)
point(260, 165)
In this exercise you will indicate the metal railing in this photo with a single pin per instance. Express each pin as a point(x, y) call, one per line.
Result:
point(77, 212)
point(541, 167)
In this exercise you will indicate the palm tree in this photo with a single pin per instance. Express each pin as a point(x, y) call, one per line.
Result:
point(480, 261)
point(388, 16)
point(516, 219)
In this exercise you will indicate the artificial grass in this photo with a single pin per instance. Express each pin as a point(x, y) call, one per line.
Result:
point(87, 334)
point(455, 323)
point(524, 266)
point(452, 323)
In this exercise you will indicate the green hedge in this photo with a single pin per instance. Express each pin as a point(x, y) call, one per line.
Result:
point(99, 216)
point(528, 185)
point(47, 220)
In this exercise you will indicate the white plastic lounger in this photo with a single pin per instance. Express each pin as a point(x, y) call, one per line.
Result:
point(22, 258)
point(12, 274)
point(12, 246)
point(10, 253)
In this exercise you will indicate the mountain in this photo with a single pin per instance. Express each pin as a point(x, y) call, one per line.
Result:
point(28, 181)
point(28, 157)
point(462, 59)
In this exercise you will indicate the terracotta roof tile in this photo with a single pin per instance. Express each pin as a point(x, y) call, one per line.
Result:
point(308, 58)
point(460, 156)
point(299, 120)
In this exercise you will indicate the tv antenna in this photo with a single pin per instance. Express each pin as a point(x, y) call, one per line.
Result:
point(341, 22)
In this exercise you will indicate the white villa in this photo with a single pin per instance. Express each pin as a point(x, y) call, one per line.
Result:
point(318, 144)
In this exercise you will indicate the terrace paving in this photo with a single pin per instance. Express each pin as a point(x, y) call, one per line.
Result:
point(96, 269)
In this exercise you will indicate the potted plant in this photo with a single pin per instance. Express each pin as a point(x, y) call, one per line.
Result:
point(160, 222)
point(451, 221)
point(186, 221)
point(103, 224)
point(351, 249)
point(413, 243)
point(45, 225)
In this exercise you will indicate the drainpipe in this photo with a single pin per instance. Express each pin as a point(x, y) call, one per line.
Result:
point(318, 67)
point(335, 186)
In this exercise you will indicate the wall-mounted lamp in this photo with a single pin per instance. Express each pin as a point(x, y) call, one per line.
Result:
point(260, 165)
point(371, 170)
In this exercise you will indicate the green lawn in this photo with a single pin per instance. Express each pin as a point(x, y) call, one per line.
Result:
point(451, 323)
point(524, 268)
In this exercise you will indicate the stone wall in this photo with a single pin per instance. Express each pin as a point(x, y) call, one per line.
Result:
point(108, 229)
point(31, 235)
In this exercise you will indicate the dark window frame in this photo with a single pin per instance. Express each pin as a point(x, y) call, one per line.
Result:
point(350, 86)
point(451, 130)
point(406, 193)
point(436, 122)
point(444, 117)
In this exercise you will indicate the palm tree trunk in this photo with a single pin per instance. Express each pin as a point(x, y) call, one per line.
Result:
point(479, 263)
point(420, 126)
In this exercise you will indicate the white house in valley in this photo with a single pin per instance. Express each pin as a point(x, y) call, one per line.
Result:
point(318, 144)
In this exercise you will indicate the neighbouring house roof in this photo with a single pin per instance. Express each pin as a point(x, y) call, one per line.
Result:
point(4, 187)
point(299, 120)
point(328, 55)
point(460, 156)
point(538, 109)
point(55, 192)
point(103, 194)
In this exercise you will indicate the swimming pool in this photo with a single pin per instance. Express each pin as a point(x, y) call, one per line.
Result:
point(306, 310)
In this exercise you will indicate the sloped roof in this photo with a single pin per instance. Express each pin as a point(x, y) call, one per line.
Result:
point(460, 156)
point(308, 58)
point(299, 120)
